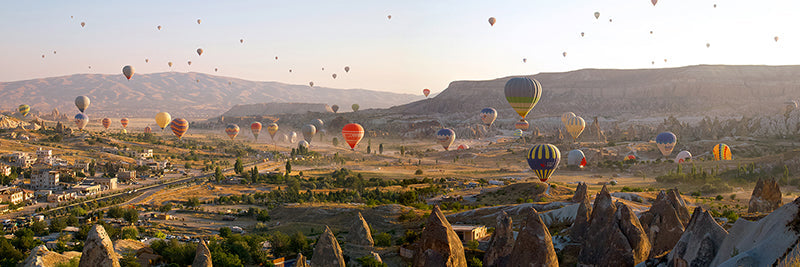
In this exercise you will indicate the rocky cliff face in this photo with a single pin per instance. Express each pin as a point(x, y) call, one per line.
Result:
point(327, 251)
point(359, 232)
point(98, 249)
point(624, 241)
point(662, 225)
point(534, 245)
point(42, 257)
point(766, 196)
point(301, 261)
point(501, 244)
point(581, 193)
point(581, 223)
point(439, 245)
point(699, 243)
point(202, 257)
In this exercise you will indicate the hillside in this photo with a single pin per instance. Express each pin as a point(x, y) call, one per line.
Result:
point(689, 91)
point(182, 94)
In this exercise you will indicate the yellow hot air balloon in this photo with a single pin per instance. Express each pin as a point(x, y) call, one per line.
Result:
point(24, 109)
point(272, 128)
point(566, 116)
point(522, 94)
point(575, 126)
point(169, 64)
point(722, 152)
point(163, 119)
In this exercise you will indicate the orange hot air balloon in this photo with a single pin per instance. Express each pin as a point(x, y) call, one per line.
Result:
point(124, 122)
point(106, 123)
point(179, 127)
point(255, 128)
point(148, 130)
point(426, 92)
point(353, 133)
point(232, 130)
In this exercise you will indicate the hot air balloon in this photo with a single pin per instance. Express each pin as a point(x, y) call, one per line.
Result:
point(722, 152)
point(524, 60)
point(596, 15)
point(518, 132)
point(610, 20)
point(71, 17)
point(665, 60)
point(179, 127)
point(522, 94)
point(652, 62)
point(488, 115)
point(564, 54)
point(128, 71)
point(445, 137)
point(255, 128)
point(82, 102)
point(199, 51)
point(232, 130)
point(198, 21)
point(426, 92)
point(189, 62)
point(308, 132)
point(708, 45)
point(272, 128)
point(666, 142)
point(333, 75)
point(81, 120)
point(159, 27)
point(169, 64)
point(354, 107)
point(146, 60)
point(290, 70)
point(318, 123)
point(576, 158)
point(492, 20)
point(216, 69)
point(123, 131)
point(776, 38)
point(24, 109)
point(323, 68)
point(346, 68)
point(654, 2)
point(575, 126)
point(353, 133)
point(566, 116)
point(241, 41)
point(389, 16)
point(335, 108)
point(683, 156)
point(124, 122)
point(303, 144)
point(163, 119)
point(54, 52)
point(582, 34)
point(83, 24)
point(293, 137)
point(543, 160)
point(630, 157)
point(311, 84)
point(462, 147)
point(276, 57)
point(522, 125)
point(148, 130)
point(715, 5)
point(651, 32)
point(106, 123)
point(42, 56)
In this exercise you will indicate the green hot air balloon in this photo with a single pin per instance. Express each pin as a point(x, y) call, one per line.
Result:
point(355, 107)
point(522, 94)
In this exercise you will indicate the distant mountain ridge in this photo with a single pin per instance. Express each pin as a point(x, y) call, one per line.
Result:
point(182, 94)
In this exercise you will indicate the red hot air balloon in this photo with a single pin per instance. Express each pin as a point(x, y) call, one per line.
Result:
point(179, 127)
point(106, 123)
point(232, 130)
point(255, 128)
point(353, 133)
point(426, 92)
point(124, 122)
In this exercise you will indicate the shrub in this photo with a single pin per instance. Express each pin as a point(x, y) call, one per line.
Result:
point(418, 172)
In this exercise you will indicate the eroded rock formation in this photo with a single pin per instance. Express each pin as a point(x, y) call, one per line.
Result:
point(439, 245)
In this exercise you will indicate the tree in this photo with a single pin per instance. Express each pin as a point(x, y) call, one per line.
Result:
point(380, 148)
point(129, 232)
point(56, 225)
point(115, 212)
point(218, 174)
point(131, 215)
point(335, 141)
point(225, 232)
point(39, 228)
point(262, 215)
point(92, 168)
point(238, 167)
point(193, 202)
point(369, 149)
point(187, 165)
point(165, 208)
point(288, 167)
point(402, 151)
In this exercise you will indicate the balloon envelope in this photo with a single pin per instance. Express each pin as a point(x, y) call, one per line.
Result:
point(566, 116)
point(128, 71)
point(199, 51)
point(522, 94)
point(106, 123)
point(575, 126)
point(596, 15)
point(255, 128)
point(722, 152)
point(163, 119)
point(683, 156)
point(179, 127)
point(426, 92)
point(462, 147)
point(81, 120)
point(272, 128)
point(303, 143)
point(488, 115)
point(543, 160)
point(445, 137)
point(293, 137)
point(522, 125)
point(232, 130)
point(666, 142)
point(518, 132)
point(492, 21)
point(124, 122)
point(354, 107)
point(24, 109)
point(576, 158)
point(148, 130)
point(308, 132)
point(82, 102)
point(335, 108)
point(353, 133)
point(346, 68)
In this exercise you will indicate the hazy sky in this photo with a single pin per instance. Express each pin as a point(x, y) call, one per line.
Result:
point(426, 44)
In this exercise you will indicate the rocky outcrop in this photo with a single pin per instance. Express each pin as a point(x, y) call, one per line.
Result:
point(766, 196)
point(662, 225)
point(359, 233)
point(42, 257)
point(501, 244)
point(624, 242)
point(327, 251)
point(301, 261)
point(534, 245)
point(581, 193)
point(699, 243)
point(677, 202)
point(376, 256)
point(98, 249)
point(202, 257)
point(581, 223)
point(439, 245)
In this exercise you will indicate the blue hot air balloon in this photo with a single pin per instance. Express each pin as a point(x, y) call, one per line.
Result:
point(666, 142)
point(543, 160)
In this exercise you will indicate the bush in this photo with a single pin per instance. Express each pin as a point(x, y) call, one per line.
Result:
point(719, 197)
point(382, 239)
point(733, 196)
point(418, 172)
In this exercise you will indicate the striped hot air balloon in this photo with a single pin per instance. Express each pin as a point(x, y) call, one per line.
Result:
point(518, 132)
point(543, 160)
point(522, 94)
point(124, 122)
point(148, 130)
point(24, 109)
point(179, 127)
point(575, 126)
point(232, 130)
point(566, 116)
point(576, 158)
point(488, 115)
point(106, 123)
point(722, 152)
point(666, 142)
point(353, 133)
point(522, 125)
point(255, 128)
point(445, 137)
point(81, 120)
point(272, 129)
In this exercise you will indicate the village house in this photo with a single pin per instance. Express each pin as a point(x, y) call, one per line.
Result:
point(45, 179)
point(11, 194)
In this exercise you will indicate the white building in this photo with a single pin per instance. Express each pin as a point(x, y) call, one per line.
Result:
point(22, 159)
point(154, 165)
point(44, 156)
point(5, 170)
point(44, 179)
point(11, 194)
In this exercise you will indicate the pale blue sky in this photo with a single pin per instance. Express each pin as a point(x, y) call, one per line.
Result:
point(426, 44)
